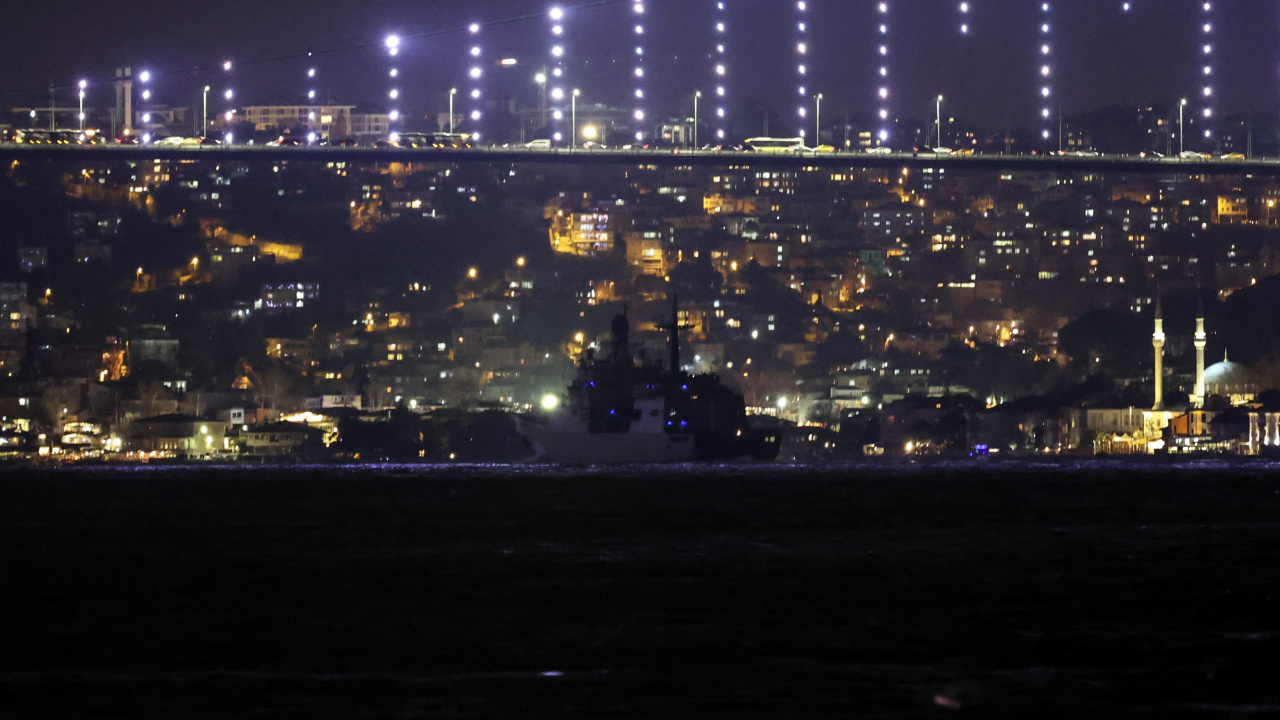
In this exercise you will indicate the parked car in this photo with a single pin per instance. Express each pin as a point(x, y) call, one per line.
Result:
point(539, 144)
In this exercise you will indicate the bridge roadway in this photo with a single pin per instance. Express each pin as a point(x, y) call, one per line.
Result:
point(1124, 164)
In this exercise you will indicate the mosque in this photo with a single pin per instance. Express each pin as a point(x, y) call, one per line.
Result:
point(1224, 392)
point(1219, 388)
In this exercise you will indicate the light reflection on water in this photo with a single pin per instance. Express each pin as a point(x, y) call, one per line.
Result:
point(1144, 465)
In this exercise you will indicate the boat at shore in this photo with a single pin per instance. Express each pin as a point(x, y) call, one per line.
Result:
point(619, 410)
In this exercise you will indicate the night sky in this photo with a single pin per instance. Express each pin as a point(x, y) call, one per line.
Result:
point(1102, 56)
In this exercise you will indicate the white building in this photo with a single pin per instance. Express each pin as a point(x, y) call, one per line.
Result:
point(320, 118)
point(284, 297)
point(15, 313)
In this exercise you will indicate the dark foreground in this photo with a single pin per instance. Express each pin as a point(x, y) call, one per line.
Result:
point(1012, 591)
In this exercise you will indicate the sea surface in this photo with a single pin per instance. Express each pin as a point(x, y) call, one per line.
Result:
point(1106, 589)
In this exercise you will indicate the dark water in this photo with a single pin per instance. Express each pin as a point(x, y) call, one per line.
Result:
point(1006, 591)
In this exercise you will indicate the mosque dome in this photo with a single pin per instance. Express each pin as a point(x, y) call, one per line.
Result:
point(1227, 378)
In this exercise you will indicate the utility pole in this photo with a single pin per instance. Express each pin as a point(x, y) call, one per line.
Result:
point(1061, 122)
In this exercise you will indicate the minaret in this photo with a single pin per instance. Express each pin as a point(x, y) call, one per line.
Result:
point(1201, 340)
point(1157, 341)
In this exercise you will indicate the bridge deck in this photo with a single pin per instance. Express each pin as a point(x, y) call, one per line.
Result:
point(667, 157)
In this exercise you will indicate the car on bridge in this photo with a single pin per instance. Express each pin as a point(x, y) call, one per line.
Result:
point(31, 137)
point(538, 144)
point(881, 150)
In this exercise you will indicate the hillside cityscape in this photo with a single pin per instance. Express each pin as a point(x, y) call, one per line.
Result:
point(192, 308)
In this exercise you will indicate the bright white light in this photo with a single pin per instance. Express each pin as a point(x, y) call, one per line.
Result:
point(1046, 70)
point(802, 50)
point(883, 90)
point(226, 66)
point(1207, 90)
point(145, 76)
point(720, 68)
point(637, 8)
point(228, 94)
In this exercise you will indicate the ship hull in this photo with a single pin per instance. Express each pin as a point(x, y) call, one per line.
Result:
point(577, 447)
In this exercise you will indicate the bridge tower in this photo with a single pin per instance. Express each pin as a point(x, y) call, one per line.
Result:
point(123, 113)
